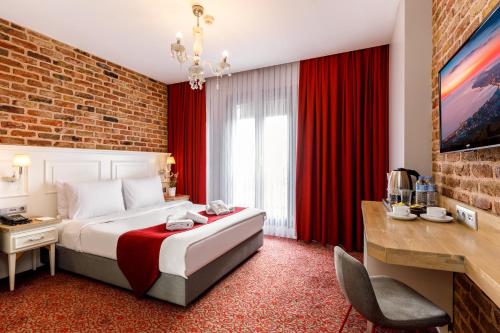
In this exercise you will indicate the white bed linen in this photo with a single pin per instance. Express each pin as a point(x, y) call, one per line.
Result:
point(142, 192)
point(93, 199)
point(180, 254)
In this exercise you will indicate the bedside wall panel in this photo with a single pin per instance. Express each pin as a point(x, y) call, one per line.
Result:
point(37, 189)
point(131, 169)
point(73, 171)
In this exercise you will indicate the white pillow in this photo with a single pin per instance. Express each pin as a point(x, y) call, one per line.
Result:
point(142, 192)
point(62, 201)
point(87, 200)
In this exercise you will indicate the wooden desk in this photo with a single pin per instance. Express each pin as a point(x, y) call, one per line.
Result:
point(438, 246)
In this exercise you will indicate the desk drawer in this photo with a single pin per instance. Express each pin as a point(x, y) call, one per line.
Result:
point(33, 238)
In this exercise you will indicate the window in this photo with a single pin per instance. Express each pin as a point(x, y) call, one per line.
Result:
point(251, 135)
point(260, 160)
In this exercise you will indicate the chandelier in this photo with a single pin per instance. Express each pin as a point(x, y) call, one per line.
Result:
point(196, 72)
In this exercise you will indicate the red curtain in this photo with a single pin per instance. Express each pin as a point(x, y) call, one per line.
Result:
point(187, 139)
point(342, 150)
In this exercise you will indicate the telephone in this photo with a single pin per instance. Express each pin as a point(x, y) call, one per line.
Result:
point(14, 219)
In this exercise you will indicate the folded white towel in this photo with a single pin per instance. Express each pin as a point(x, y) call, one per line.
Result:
point(180, 225)
point(179, 222)
point(198, 218)
point(218, 207)
point(209, 210)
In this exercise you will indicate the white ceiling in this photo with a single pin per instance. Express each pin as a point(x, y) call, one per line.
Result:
point(257, 33)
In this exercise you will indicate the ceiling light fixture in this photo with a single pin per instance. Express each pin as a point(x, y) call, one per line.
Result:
point(196, 72)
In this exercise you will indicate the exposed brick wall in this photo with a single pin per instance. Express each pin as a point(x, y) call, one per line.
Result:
point(470, 177)
point(474, 311)
point(52, 94)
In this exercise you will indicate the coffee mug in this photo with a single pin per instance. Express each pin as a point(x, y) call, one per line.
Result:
point(436, 212)
point(401, 210)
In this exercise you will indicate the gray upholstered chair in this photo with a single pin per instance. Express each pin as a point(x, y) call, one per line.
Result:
point(383, 301)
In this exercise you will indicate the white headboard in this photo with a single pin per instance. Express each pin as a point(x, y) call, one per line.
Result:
point(48, 165)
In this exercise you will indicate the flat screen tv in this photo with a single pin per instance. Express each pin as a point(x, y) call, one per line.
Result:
point(469, 91)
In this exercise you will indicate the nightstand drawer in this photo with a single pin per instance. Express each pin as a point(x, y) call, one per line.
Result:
point(33, 238)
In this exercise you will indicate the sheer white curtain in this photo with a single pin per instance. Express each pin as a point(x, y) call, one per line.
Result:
point(251, 143)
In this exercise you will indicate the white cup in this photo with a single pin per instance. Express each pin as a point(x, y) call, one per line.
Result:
point(436, 212)
point(401, 210)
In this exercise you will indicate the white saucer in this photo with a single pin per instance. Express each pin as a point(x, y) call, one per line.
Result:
point(408, 217)
point(444, 219)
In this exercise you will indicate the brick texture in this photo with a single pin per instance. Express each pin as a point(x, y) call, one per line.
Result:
point(52, 94)
point(473, 311)
point(470, 177)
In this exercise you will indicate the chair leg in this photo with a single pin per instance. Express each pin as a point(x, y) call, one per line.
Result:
point(345, 319)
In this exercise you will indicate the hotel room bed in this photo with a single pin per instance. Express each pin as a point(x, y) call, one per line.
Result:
point(190, 262)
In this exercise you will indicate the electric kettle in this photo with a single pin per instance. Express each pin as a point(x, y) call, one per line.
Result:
point(399, 179)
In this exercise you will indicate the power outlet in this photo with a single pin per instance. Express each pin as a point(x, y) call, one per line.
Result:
point(467, 217)
point(13, 210)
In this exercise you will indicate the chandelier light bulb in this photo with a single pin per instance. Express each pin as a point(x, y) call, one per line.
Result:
point(196, 74)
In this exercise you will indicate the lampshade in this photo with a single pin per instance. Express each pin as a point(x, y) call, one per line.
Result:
point(21, 160)
point(170, 160)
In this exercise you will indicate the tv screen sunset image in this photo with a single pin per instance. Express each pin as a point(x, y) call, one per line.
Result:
point(470, 90)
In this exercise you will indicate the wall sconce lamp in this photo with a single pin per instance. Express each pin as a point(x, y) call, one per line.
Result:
point(20, 161)
point(170, 161)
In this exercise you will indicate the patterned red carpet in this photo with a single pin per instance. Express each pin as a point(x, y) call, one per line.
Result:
point(286, 287)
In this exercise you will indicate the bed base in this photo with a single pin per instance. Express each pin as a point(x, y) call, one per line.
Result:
point(171, 288)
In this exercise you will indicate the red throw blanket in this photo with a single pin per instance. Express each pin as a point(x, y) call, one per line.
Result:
point(138, 252)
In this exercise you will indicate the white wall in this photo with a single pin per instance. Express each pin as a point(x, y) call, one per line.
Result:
point(397, 91)
point(48, 165)
point(410, 101)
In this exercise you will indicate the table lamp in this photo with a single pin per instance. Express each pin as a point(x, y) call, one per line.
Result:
point(170, 160)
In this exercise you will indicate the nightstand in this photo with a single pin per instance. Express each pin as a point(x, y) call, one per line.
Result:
point(17, 240)
point(175, 198)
